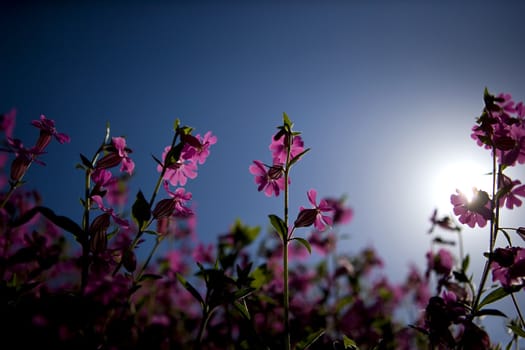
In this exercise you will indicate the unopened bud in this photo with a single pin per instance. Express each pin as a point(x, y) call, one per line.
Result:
point(19, 167)
point(164, 208)
point(275, 172)
point(305, 218)
point(110, 160)
point(130, 261)
point(98, 229)
point(43, 140)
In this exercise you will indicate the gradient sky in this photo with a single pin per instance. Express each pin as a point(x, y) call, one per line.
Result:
point(384, 92)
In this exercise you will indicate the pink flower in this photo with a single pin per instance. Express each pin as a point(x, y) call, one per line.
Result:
point(342, 214)
point(180, 197)
point(47, 131)
point(119, 221)
point(117, 154)
point(179, 172)
point(127, 163)
point(271, 181)
point(508, 266)
point(442, 262)
point(204, 253)
point(316, 215)
point(477, 211)
point(203, 151)
point(324, 244)
point(513, 190)
point(279, 149)
point(7, 122)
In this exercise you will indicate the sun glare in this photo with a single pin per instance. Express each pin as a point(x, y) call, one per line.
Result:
point(462, 176)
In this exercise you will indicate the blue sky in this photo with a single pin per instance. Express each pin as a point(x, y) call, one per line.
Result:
point(384, 92)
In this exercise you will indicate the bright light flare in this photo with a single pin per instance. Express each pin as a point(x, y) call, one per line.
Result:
point(462, 176)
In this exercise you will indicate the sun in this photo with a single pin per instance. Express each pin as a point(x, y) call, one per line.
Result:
point(462, 176)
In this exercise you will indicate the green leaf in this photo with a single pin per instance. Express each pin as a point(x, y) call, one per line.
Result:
point(517, 330)
point(279, 225)
point(242, 308)
point(349, 343)
point(465, 263)
point(190, 289)
point(149, 277)
point(260, 276)
point(173, 155)
point(305, 243)
point(490, 312)
point(299, 156)
point(61, 221)
point(495, 295)
point(310, 339)
point(86, 162)
point(140, 210)
point(157, 160)
point(286, 121)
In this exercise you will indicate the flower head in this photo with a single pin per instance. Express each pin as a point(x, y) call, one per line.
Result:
point(47, 131)
point(512, 190)
point(178, 172)
point(118, 153)
point(508, 266)
point(476, 211)
point(317, 215)
point(270, 181)
point(279, 147)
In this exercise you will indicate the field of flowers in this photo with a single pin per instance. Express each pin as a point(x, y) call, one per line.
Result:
point(82, 285)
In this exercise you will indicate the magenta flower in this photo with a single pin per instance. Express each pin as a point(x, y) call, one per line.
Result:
point(180, 197)
point(513, 190)
point(279, 149)
point(477, 211)
point(179, 172)
point(508, 266)
point(203, 253)
point(117, 154)
point(501, 128)
point(324, 244)
point(47, 131)
point(442, 262)
point(203, 151)
point(7, 122)
point(119, 221)
point(271, 181)
point(342, 214)
point(127, 163)
point(316, 215)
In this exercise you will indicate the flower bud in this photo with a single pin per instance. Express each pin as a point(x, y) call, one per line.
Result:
point(19, 167)
point(110, 160)
point(504, 257)
point(164, 208)
point(98, 229)
point(305, 218)
point(43, 140)
point(275, 172)
point(130, 261)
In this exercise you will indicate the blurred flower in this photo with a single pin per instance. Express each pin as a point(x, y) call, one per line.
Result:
point(442, 262)
point(508, 266)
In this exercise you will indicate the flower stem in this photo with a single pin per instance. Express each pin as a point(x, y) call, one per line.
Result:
point(286, 239)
